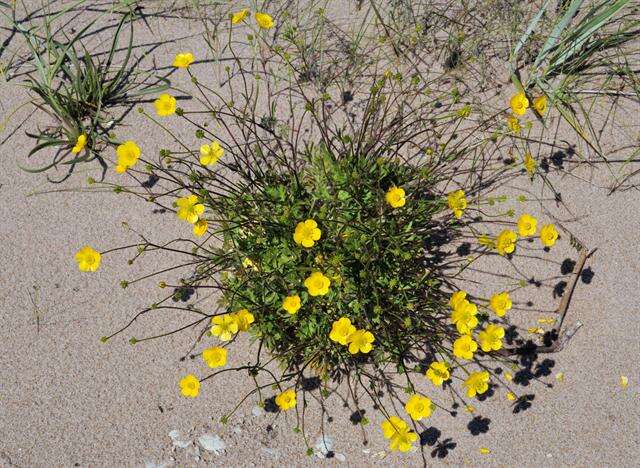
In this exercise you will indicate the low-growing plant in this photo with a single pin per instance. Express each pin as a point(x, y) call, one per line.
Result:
point(333, 216)
point(334, 239)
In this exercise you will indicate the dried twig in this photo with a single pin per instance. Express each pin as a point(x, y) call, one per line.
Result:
point(559, 339)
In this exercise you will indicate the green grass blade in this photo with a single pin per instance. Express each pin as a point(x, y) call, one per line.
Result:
point(557, 31)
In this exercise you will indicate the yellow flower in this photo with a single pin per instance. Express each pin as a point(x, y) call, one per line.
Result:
point(464, 347)
point(399, 435)
point(360, 341)
point(189, 209)
point(506, 242)
point(248, 263)
point(183, 60)
point(464, 316)
point(306, 233)
point(470, 409)
point(317, 284)
point(438, 372)
point(527, 225)
point(485, 451)
point(190, 386)
point(500, 303)
point(560, 376)
point(508, 376)
point(239, 16)
point(535, 330)
point(165, 105)
point(395, 197)
point(209, 154)
point(491, 338)
point(548, 235)
point(530, 164)
point(286, 400)
point(456, 298)
point(88, 259)
point(243, 318)
point(291, 304)
point(464, 112)
point(457, 202)
point(519, 103)
point(419, 407)
point(511, 396)
point(624, 382)
point(477, 383)
point(540, 105)
point(514, 124)
point(224, 326)
point(215, 357)
point(81, 142)
point(392, 425)
point(264, 20)
point(127, 155)
point(200, 227)
point(341, 330)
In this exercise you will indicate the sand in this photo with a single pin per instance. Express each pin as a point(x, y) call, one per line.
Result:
point(66, 399)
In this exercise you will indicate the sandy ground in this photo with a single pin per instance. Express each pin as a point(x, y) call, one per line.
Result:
point(66, 399)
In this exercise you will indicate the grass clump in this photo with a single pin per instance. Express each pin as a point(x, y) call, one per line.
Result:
point(79, 90)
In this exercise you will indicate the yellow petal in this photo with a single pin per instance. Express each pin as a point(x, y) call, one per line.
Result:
point(624, 381)
point(511, 396)
point(546, 321)
point(560, 376)
point(484, 451)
